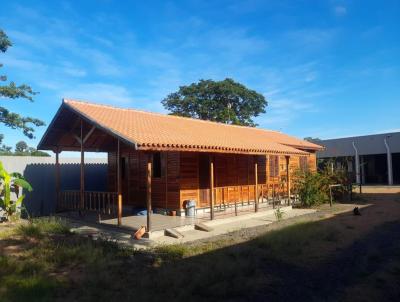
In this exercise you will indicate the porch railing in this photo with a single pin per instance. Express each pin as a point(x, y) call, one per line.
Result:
point(100, 202)
point(267, 193)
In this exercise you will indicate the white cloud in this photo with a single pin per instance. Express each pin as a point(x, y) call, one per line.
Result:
point(340, 10)
point(75, 72)
point(282, 112)
point(70, 69)
point(103, 63)
point(99, 92)
point(310, 38)
point(22, 64)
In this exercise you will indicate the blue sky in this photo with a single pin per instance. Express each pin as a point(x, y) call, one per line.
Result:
point(328, 68)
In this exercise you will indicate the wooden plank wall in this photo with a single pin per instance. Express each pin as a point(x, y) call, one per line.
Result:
point(173, 180)
point(230, 170)
point(189, 176)
point(183, 176)
point(312, 162)
point(134, 193)
point(160, 198)
point(112, 172)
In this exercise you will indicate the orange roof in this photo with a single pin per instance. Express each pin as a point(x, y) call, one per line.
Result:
point(153, 131)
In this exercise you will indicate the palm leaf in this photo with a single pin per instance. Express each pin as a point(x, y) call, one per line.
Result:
point(23, 184)
point(17, 175)
point(19, 200)
point(3, 172)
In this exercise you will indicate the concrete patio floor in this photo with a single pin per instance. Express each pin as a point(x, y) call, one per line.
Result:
point(183, 225)
point(132, 223)
point(161, 222)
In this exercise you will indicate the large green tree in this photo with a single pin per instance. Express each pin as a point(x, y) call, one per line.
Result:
point(11, 91)
point(222, 101)
point(21, 146)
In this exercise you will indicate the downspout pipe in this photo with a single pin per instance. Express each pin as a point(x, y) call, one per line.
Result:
point(358, 178)
point(389, 161)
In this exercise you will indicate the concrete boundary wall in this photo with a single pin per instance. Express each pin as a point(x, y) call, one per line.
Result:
point(40, 173)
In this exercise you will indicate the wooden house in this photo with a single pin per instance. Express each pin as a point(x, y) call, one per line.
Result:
point(161, 161)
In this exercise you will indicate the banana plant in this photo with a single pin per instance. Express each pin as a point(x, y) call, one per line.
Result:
point(11, 183)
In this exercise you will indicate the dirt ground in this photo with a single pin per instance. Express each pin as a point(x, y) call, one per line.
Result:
point(329, 255)
point(359, 260)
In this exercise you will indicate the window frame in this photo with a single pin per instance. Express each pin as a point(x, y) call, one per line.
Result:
point(159, 166)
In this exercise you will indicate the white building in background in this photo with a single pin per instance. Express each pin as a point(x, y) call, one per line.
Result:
point(371, 159)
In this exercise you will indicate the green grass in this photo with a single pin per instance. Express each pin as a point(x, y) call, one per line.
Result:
point(26, 280)
point(54, 263)
point(39, 227)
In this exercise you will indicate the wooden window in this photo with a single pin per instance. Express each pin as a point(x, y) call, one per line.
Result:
point(303, 163)
point(157, 165)
point(273, 165)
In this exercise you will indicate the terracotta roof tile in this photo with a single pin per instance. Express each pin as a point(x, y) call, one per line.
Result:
point(159, 131)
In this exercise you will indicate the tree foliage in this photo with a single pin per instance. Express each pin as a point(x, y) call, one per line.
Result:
point(314, 140)
point(4, 148)
point(21, 146)
point(222, 101)
point(13, 91)
point(313, 187)
point(21, 149)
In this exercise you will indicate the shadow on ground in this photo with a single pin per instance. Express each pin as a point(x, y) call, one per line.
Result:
point(341, 258)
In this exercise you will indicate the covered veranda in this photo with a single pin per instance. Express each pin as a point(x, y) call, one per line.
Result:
point(72, 131)
point(85, 127)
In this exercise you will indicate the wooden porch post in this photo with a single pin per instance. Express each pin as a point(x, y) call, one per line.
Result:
point(82, 200)
point(256, 183)
point(57, 178)
point(148, 199)
point(211, 187)
point(119, 184)
point(166, 182)
point(288, 178)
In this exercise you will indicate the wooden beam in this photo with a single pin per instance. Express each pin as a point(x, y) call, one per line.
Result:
point(82, 172)
point(148, 199)
point(288, 178)
point(57, 178)
point(84, 139)
point(89, 134)
point(78, 139)
point(211, 187)
point(119, 185)
point(256, 184)
point(71, 131)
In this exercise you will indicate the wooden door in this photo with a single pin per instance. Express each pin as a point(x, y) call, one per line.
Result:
point(204, 180)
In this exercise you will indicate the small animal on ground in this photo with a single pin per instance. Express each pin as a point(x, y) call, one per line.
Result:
point(356, 211)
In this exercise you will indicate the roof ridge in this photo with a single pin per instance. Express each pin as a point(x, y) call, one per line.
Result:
point(193, 119)
point(168, 115)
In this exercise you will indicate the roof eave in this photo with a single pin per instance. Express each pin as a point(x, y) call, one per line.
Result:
point(99, 126)
point(40, 144)
point(65, 104)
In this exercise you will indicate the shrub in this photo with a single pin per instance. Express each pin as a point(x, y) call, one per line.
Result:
point(279, 214)
point(313, 187)
point(11, 183)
